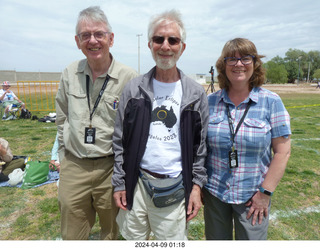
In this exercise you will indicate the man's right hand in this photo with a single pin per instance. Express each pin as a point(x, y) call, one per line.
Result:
point(120, 199)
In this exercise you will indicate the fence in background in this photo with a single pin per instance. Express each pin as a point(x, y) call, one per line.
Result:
point(37, 95)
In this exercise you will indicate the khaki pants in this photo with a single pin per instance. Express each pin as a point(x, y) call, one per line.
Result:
point(14, 164)
point(168, 223)
point(84, 190)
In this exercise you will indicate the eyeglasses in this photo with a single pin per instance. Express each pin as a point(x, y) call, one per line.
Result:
point(172, 40)
point(86, 36)
point(245, 60)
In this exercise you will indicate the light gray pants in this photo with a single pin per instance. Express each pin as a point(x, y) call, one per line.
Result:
point(220, 218)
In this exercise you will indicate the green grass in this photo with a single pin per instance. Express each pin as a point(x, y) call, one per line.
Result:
point(34, 215)
point(299, 187)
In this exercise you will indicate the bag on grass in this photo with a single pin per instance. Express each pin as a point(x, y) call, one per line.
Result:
point(15, 177)
point(25, 114)
point(36, 172)
point(164, 192)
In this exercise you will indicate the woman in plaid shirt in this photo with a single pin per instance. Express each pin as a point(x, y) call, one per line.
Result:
point(248, 146)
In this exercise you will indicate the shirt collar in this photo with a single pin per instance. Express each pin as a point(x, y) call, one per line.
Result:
point(112, 71)
point(253, 95)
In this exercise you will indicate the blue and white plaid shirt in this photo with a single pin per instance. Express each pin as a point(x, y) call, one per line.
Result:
point(267, 118)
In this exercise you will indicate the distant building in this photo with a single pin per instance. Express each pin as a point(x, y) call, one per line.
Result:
point(200, 78)
point(14, 76)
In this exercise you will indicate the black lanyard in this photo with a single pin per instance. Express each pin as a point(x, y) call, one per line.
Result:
point(233, 134)
point(99, 96)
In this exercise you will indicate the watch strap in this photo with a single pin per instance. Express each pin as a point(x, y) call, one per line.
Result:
point(267, 192)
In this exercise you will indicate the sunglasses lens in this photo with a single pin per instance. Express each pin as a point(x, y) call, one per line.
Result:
point(158, 39)
point(173, 40)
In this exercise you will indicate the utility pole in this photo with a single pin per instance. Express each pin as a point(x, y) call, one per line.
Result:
point(299, 58)
point(310, 62)
point(139, 52)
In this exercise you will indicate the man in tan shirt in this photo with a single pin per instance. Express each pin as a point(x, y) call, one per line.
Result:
point(86, 105)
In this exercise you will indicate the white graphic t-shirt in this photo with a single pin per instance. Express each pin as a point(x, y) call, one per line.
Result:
point(8, 97)
point(163, 150)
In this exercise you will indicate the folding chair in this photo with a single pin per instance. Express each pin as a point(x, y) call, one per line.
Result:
point(1, 108)
point(13, 112)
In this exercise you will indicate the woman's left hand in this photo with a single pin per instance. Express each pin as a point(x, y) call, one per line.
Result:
point(258, 204)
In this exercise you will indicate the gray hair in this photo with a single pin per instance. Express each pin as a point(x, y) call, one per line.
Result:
point(167, 17)
point(94, 14)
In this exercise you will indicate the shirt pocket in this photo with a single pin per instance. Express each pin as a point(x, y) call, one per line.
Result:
point(214, 126)
point(257, 132)
point(215, 120)
point(78, 101)
point(110, 104)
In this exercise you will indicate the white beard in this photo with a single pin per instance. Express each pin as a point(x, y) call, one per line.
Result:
point(166, 64)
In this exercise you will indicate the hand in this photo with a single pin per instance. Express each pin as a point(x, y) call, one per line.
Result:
point(120, 199)
point(194, 204)
point(259, 207)
point(1, 164)
point(53, 165)
point(57, 164)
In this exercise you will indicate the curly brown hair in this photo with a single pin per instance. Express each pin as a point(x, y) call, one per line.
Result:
point(244, 47)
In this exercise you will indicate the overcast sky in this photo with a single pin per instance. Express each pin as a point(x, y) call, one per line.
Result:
point(38, 35)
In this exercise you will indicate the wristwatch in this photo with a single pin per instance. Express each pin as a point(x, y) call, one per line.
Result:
point(266, 192)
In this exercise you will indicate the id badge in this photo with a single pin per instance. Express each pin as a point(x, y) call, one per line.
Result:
point(233, 159)
point(89, 135)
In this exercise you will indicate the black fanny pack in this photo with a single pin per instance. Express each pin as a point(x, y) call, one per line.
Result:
point(164, 192)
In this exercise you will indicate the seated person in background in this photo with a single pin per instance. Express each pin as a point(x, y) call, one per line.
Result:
point(8, 98)
point(54, 163)
point(7, 165)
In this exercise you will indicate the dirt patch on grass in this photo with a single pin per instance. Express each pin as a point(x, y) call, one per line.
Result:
point(292, 88)
point(283, 88)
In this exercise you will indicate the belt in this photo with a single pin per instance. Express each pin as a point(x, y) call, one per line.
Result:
point(97, 158)
point(156, 175)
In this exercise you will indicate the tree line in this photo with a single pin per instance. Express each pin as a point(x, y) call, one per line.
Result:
point(295, 67)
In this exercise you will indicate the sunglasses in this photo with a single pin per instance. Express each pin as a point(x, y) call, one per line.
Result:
point(171, 40)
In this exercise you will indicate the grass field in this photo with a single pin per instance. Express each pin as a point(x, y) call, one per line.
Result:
point(295, 214)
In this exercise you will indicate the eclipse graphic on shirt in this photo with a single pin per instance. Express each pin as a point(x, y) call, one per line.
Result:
point(167, 117)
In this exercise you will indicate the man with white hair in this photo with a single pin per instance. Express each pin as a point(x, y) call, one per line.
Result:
point(159, 138)
point(86, 105)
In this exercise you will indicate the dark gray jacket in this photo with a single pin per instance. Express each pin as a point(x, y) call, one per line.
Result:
point(132, 130)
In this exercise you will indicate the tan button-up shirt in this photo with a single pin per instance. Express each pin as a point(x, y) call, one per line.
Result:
point(72, 108)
